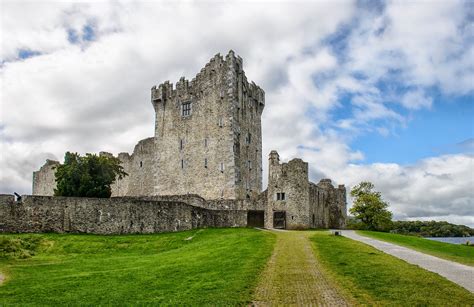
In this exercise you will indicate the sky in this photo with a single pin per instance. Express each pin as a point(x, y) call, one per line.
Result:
point(362, 90)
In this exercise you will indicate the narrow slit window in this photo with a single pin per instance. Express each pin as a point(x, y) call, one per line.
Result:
point(205, 142)
point(205, 162)
point(181, 144)
point(141, 163)
point(222, 167)
point(182, 164)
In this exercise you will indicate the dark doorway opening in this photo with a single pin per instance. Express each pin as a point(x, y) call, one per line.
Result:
point(279, 219)
point(255, 218)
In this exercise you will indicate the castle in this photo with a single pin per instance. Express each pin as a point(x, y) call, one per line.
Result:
point(207, 152)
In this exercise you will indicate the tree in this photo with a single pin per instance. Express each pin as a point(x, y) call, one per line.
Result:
point(369, 209)
point(87, 176)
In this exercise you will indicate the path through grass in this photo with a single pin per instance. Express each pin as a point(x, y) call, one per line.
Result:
point(374, 278)
point(216, 266)
point(455, 252)
point(294, 277)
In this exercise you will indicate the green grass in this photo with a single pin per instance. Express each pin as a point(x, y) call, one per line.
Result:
point(371, 277)
point(217, 266)
point(455, 252)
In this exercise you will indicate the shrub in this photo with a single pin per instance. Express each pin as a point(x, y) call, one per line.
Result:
point(19, 247)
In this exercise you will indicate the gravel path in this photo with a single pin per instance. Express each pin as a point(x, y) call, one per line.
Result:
point(460, 274)
point(293, 276)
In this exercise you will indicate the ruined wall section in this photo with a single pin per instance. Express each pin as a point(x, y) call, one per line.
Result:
point(292, 179)
point(327, 205)
point(204, 152)
point(140, 167)
point(44, 180)
point(109, 215)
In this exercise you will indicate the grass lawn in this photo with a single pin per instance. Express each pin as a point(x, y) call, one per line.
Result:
point(455, 252)
point(216, 266)
point(374, 278)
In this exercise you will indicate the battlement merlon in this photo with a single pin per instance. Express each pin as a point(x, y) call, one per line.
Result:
point(184, 87)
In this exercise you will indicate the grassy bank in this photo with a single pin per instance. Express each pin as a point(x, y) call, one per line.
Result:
point(218, 266)
point(374, 278)
point(455, 252)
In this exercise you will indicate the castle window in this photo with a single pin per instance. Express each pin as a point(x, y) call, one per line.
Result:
point(249, 164)
point(222, 167)
point(205, 162)
point(181, 144)
point(221, 122)
point(186, 108)
point(205, 142)
point(141, 163)
point(281, 196)
point(248, 138)
point(182, 164)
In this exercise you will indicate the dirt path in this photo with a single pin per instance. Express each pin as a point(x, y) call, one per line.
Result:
point(458, 273)
point(2, 278)
point(293, 276)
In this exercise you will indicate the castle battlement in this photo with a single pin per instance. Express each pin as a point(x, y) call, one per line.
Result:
point(217, 69)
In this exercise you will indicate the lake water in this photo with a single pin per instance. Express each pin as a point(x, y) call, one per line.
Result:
point(454, 240)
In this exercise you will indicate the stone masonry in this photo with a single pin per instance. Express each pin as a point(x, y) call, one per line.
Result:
point(208, 133)
point(117, 215)
point(208, 143)
point(293, 202)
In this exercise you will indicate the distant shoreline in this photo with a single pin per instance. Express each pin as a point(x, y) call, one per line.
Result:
point(453, 240)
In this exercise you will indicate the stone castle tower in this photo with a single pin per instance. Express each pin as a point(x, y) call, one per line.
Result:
point(208, 133)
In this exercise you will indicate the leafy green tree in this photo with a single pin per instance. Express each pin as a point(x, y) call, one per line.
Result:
point(369, 210)
point(87, 176)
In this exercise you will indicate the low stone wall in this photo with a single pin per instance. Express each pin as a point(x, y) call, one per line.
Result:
point(213, 204)
point(109, 215)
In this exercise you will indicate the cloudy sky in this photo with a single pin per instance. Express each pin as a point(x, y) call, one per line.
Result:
point(378, 91)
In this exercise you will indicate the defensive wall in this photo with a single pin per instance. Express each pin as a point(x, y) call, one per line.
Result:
point(117, 215)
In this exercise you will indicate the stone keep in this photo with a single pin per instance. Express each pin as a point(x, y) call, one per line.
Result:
point(208, 133)
point(208, 143)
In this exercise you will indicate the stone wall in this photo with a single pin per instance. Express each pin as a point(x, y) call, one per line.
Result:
point(213, 204)
point(327, 205)
point(109, 215)
point(44, 180)
point(140, 167)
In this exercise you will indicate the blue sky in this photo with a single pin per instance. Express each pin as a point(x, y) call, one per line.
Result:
point(428, 132)
point(362, 90)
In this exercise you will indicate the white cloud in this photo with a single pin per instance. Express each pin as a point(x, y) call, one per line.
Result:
point(416, 100)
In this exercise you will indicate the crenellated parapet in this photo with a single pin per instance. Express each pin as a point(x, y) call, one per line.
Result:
point(219, 69)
